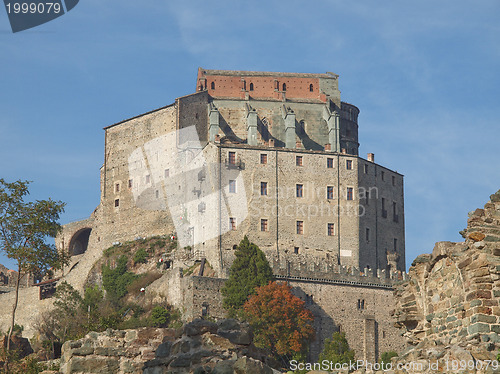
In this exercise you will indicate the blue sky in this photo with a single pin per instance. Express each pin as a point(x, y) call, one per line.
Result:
point(425, 75)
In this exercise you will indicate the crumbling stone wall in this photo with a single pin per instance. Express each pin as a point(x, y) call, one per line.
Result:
point(452, 296)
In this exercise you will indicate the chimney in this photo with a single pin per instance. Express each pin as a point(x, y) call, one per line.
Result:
point(371, 157)
point(271, 143)
point(217, 138)
point(328, 147)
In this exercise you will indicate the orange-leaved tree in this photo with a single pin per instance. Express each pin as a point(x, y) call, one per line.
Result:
point(279, 320)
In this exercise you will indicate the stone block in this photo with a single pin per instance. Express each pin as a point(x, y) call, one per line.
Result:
point(483, 318)
point(478, 328)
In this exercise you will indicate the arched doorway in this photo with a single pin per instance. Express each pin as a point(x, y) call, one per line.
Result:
point(79, 242)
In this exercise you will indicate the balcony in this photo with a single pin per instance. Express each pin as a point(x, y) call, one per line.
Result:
point(234, 164)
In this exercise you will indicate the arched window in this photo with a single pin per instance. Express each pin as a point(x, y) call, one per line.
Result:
point(284, 86)
point(251, 86)
point(311, 87)
point(212, 85)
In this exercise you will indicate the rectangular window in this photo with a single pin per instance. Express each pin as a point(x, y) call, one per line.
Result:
point(382, 175)
point(157, 194)
point(299, 190)
point(117, 203)
point(117, 187)
point(167, 173)
point(296, 250)
point(329, 163)
point(148, 179)
point(395, 217)
point(263, 158)
point(130, 182)
point(331, 229)
point(263, 188)
point(300, 227)
point(393, 180)
point(395, 245)
point(232, 186)
point(232, 158)
point(367, 235)
point(232, 223)
point(384, 211)
point(348, 164)
point(298, 161)
point(263, 224)
point(349, 193)
point(366, 168)
point(329, 192)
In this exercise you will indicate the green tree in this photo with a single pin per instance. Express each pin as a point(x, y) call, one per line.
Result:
point(250, 269)
point(24, 228)
point(115, 281)
point(337, 349)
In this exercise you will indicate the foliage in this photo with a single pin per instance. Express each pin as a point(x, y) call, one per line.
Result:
point(141, 281)
point(337, 349)
point(279, 320)
point(24, 228)
point(250, 269)
point(141, 256)
point(385, 358)
point(160, 316)
point(115, 281)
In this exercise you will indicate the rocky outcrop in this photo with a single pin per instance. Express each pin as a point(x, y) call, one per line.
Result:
point(449, 307)
point(199, 347)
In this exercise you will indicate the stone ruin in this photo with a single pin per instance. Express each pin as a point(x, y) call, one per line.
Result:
point(449, 308)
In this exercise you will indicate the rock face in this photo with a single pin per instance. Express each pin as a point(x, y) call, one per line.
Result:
point(449, 307)
point(199, 347)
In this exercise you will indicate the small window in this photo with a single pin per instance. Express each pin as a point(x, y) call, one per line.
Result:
point(298, 161)
point(384, 211)
point(366, 168)
point(382, 175)
point(348, 164)
point(367, 235)
point(284, 86)
point(393, 180)
point(148, 178)
point(263, 188)
point(263, 224)
point(296, 250)
point(329, 163)
point(232, 186)
point(117, 187)
point(251, 86)
point(299, 189)
point(395, 245)
point(232, 223)
point(300, 227)
point(263, 158)
point(349, 193)
point(311, 87)
point(130, 183)
point(212, 85)
point(331, 229)
point(167, 173)
point(157, 194)
point(232, 158)
point(329, 192)
point(117, 203)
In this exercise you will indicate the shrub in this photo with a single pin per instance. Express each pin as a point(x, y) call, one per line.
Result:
point(142, 280)
point(141, 256)
point(160, 316)
point(385, 358)
point(336, 350)
point(115, 281)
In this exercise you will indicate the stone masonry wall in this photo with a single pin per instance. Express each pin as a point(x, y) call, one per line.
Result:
point(452, 296)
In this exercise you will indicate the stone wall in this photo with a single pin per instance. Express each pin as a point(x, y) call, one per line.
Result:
point(452, 296)
point(199, 346)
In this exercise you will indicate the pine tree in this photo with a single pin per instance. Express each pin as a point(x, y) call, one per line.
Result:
point(250, 269)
